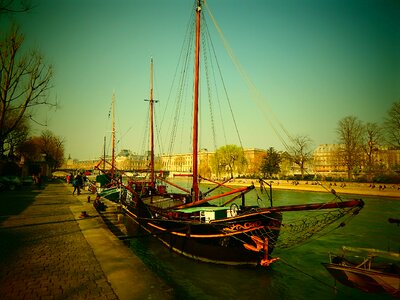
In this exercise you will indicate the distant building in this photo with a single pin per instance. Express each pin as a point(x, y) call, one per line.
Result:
point(388, 158)
point(326, 161)
point(183, 163)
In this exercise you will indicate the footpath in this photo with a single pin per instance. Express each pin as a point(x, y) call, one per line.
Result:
point(48, 250)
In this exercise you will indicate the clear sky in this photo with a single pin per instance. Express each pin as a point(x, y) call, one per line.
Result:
point(313, 61)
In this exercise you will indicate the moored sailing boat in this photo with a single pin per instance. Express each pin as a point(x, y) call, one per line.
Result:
point(111, 183)
point(192, 224)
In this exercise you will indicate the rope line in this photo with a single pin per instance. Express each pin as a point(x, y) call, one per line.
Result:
point(334, 287)
point(256, 95)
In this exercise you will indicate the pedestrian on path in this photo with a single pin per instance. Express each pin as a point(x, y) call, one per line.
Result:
point(77, 183)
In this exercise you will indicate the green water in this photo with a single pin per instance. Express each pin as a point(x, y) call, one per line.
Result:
point(299, 274)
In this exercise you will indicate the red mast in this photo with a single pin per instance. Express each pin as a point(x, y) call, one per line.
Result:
point(151, 127)
point(151, 103)
point(195, 183)
point(113, 138)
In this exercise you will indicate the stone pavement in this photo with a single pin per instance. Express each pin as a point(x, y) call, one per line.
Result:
point(47, 251)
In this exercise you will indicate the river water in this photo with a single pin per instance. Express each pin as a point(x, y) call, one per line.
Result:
point(298, 275)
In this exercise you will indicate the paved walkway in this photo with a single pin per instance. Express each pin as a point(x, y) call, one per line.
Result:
point(47, 251)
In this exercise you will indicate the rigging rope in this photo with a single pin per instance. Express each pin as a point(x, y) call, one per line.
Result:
point(145, 139)
point(226, 94)
point(181, 80)
point(301, 231)
point(256, 95)
point(180, 97)
point(315, 278)
point(207, 73)
point(157, 131)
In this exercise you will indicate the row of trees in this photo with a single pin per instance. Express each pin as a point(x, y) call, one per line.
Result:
point(358, 146)
point(25, 82)
point(360, 142)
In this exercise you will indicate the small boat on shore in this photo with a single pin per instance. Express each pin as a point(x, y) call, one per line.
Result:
point(369, 270)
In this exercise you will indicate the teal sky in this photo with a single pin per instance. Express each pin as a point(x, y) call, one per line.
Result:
point(313, 61)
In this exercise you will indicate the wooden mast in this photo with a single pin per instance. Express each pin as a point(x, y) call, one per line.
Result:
point(152, 184)
point(113, 138)
point(104, 154)
point(151, 103)
point(195, 183)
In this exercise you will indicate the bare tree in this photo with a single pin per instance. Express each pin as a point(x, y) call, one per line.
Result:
point(24, 83)
point(16, 137)
point(53, 148)
point(300, 152)
point(47, 146)
point(350, 133)
point(373, 138)
point(30, 149)
point(392, 125)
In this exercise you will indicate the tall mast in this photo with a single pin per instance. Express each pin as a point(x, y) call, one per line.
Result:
point(195, 183)
point(113, 137)
point(104, 154)
point(151, 103)
point(151, 126)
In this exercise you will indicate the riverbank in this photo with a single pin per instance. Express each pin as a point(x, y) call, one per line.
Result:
point(354, 188)
point(55, 245)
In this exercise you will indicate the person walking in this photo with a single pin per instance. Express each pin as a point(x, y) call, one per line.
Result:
point(77, 183)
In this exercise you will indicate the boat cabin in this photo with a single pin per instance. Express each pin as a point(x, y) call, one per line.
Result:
point(208, 213)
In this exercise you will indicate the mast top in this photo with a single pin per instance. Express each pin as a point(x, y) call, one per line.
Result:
point(198, 8)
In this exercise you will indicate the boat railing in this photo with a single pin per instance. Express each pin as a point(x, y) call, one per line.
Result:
point(262, 188)
point(366, 263)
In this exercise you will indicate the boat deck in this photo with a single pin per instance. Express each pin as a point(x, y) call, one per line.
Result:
point(162, 201)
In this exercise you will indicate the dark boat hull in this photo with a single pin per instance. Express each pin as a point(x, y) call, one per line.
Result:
point(247, 238)
point(220, 241)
